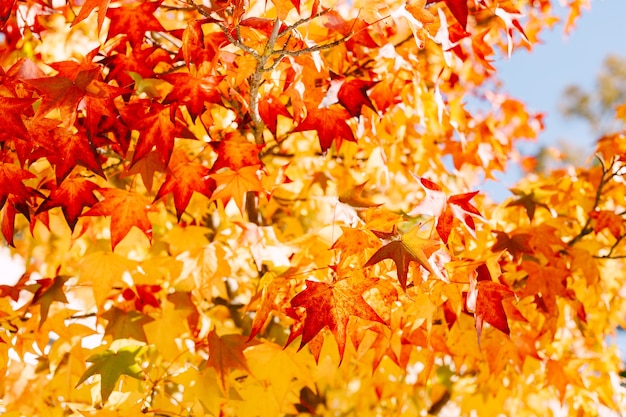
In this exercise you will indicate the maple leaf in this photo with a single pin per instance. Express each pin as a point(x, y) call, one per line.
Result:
point(354, 197)
point(127, 209)
point(47, 291)
point(236, 152)
point(353, 96)
point(11, 182)
point(458, 8)
point(606, 219)
point(330, 125)
point(12, 207)
point(527, 200)
point(403, 250)
point(11, 110)
point(183, 178)
point(493, 301)
point(88, 7)
point(235, 184)
point(445, 209)
point(545, 283)
point(195, 49)
point(67, 149)
point(6, 7)
point(134, 20)
point(146, 167)
point(270, 107)
point(111, 365)
point(516, 244)
point(66, 93)
point(157, 129)
point(193, 92)
point(126, 324)
point(226, 353)
point(418, 10)
point(332, 305)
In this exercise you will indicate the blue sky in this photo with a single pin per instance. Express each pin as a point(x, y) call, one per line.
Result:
point(538, 77)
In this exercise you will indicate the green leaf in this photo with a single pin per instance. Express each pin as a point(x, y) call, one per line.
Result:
point(111, 365)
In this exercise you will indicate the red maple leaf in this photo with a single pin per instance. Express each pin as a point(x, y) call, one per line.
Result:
point(134, 20)
point(183, 178)
point(72, 196)
point(157, 127)
point(140, 60)
point(330, 125)
point(493, 302)
point(64, 93)
point(13, 206)
point(6, 7)
point(193, 91)
point(446, 209)
point(458, 8)
point(197, 46)
point(127, 209)
point(353, 95)
point(12, 180)
point(66, 149)
point(11, 111)
point(332, 305)
point(270, 108)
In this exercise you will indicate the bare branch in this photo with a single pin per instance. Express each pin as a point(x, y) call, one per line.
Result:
point(312, 49)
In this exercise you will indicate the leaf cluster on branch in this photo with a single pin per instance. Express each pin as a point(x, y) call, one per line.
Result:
point(263, 208)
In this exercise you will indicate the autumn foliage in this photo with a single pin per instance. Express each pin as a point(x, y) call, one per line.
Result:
point(265, 208)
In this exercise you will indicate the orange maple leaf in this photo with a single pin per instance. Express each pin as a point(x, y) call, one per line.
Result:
point(183, 178)
point(235, 152)
point(403, 250)
point(418, 10)
point(332, 305)
point(226, 353)
point(235, 184)
point(127, 209)
point(606, 219)
point(545, 283)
